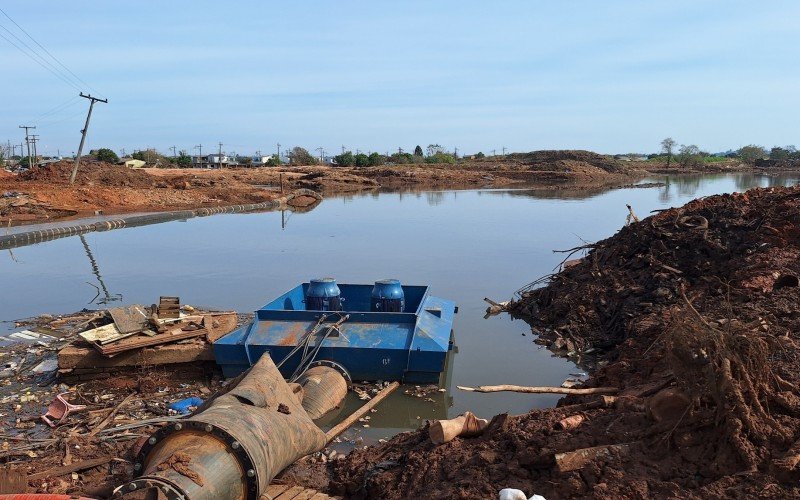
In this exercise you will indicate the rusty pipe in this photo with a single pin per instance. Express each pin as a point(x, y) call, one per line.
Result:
point(231, 449)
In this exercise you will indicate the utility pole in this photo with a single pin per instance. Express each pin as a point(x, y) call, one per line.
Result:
point(399, 150)
point(321, 154)
point(92, 100)
point(174, 156)
point(199, 149)
point(219, 158)
point(343, 148)
point(123, 152)
point(494, 152)
point(27, 142)
point(455, 152)
point(34, 140)
point(279, 151)
point(504, 151)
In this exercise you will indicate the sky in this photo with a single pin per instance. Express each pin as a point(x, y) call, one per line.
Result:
point(612, 77)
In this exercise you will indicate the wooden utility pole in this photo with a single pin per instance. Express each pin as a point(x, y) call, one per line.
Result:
point(92, 100)
point(279, 151)
point(34, 140)
point(27, 142)
point(174, 156)
point(219, 158)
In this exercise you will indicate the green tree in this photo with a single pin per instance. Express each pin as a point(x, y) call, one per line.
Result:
point(479, 155)
point(440, 158)
point(362, 160)
point(433, 149)
point(667, 147)
point(418, 151)
point(301, 156)
point(376, 159)
point(345, 159)
point(402, 158)
point(781, 154)
point(273, 161)
point(689, 156)
point(106, 155)
point(183, 160)
point(751, 153)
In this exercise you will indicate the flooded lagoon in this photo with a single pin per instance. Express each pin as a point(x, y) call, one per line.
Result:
point(466, 245)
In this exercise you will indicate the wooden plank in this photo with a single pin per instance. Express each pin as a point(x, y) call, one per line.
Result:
point(138, 342)
point(574, 460)
point(346, 423)
point(219, 325)
point(273, 490)
point(76, 357)
point(291, 493)
point(306, 495)
point(60, 471)
point(129, 319)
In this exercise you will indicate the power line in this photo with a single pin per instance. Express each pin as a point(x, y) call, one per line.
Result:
point(49, 54)
point(64, 105)
point(57, 75)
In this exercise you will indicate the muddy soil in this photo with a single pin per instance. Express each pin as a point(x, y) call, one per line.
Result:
point(44, 193)
point(692, 315)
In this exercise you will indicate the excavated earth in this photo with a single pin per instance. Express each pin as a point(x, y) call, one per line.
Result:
point(692, 314)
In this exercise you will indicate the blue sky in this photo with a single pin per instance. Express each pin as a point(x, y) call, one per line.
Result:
point(612, 77)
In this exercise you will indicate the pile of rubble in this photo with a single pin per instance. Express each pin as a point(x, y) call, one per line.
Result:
point(691, 318)
point(78, 392)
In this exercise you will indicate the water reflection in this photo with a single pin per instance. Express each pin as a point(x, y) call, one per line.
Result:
point(107, 296)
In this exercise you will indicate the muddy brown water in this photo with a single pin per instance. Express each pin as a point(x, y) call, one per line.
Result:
point(465, 245)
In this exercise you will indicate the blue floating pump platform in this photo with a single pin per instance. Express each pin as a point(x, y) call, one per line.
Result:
point(386, 331)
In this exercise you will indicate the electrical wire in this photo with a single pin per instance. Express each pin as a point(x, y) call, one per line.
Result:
point(64, 105)
point(56, 74)
point(79, 79)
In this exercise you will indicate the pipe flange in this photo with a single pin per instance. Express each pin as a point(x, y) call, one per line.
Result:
point(169, 490)
point(245, 461)
point(336, 366)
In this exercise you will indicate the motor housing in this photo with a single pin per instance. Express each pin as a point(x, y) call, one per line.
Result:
point(387, 296)
point(323, 294)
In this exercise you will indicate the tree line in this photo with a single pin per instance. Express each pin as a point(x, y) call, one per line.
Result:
point(690, 155)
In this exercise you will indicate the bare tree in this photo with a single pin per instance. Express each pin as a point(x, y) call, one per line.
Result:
point(667, 147)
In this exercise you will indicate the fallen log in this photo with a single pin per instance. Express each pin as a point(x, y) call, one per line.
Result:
point(540, 390)
point(466, 425)
point(569, 423)
point(574, 460)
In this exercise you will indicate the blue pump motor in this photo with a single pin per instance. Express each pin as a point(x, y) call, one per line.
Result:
point(387, 296)
point(323, 295)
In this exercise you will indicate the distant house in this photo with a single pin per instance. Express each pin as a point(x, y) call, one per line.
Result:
point(132, 163)
point(218, 160)
point(259, 161)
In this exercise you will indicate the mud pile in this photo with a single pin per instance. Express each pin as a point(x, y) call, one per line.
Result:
point(692, 314)
point(568, 160)
point(90, 173)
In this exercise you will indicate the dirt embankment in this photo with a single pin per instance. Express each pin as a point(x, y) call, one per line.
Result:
point(45, 193)
point(692, 314)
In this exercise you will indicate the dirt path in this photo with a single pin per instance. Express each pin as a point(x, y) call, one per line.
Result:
point(692, 315)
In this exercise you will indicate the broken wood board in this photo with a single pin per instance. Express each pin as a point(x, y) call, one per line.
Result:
point(169, 307)
point(139, 342)
point(67, 469)
point(129, 319)
point(219, 325)
point(76, 357)
point(107, 334)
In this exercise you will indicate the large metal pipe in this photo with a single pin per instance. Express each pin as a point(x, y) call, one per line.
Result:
point(231, 449)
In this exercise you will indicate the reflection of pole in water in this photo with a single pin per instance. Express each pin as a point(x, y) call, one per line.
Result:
point(96, 271)
point(283, 219)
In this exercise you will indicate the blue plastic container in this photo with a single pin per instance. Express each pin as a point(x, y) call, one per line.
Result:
point(323, 295)
point(387, 296)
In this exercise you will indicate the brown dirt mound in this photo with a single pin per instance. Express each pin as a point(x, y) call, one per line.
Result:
point(567, 160)
point(693, 312)
point(90, 173)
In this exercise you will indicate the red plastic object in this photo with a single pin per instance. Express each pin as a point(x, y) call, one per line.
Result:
point(59, 410)
point(40, 496)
